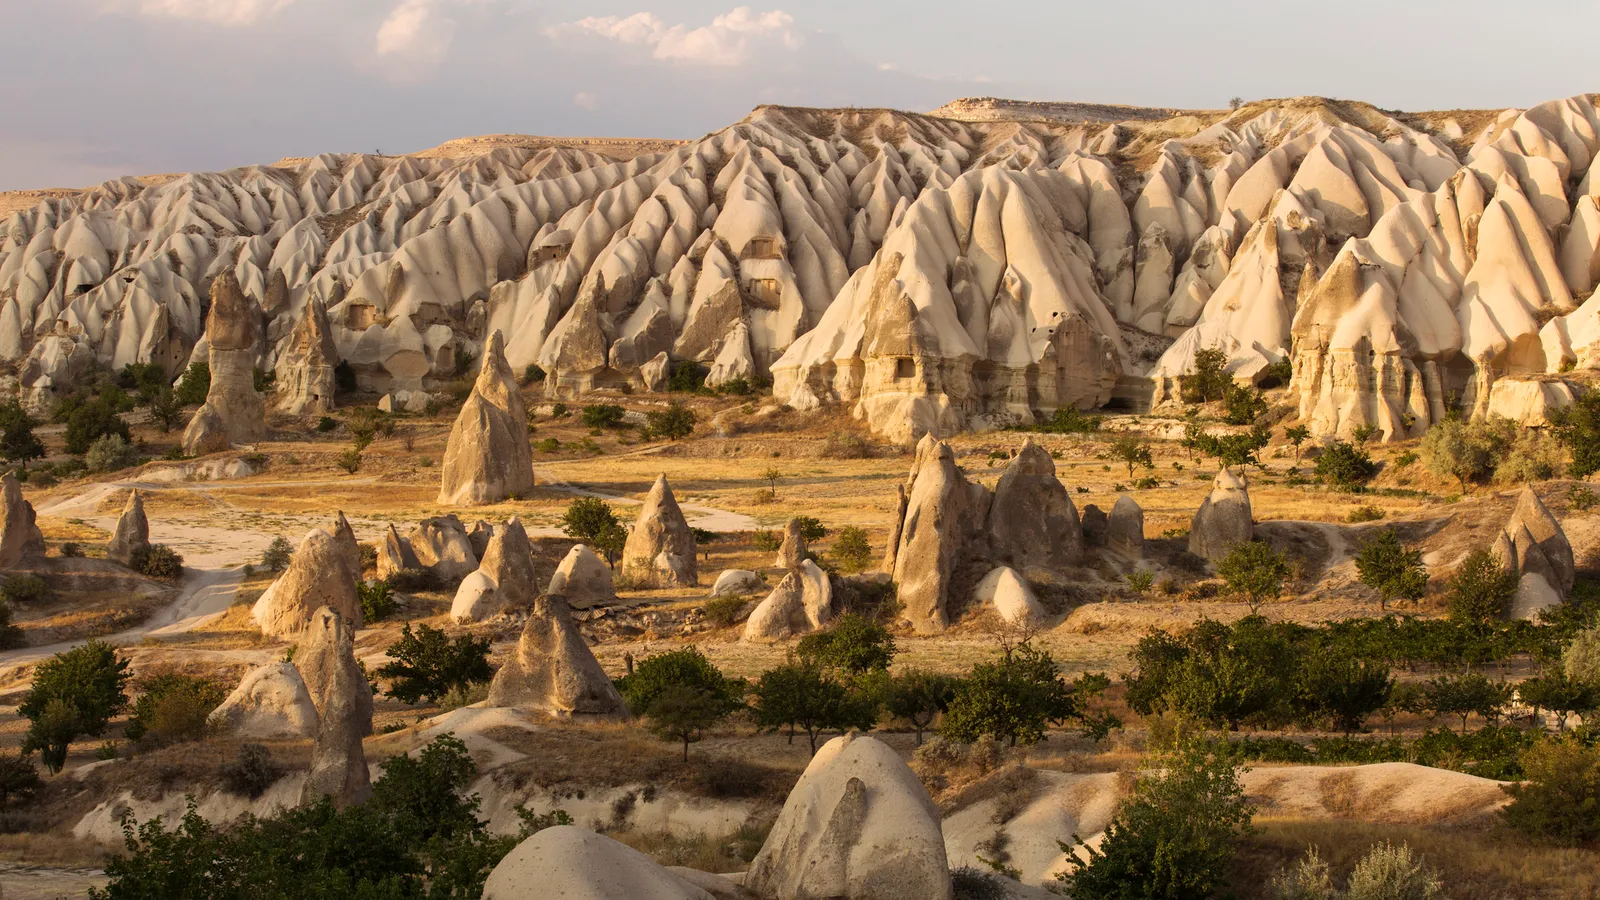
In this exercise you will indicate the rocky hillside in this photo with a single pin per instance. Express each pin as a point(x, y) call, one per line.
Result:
point(930, 273)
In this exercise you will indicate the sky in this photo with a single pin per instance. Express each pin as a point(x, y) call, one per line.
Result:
point(95, 89)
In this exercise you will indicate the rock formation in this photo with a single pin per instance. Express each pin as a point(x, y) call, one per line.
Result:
point(1032, 521)
point(936, 533)
point(19, 536)
point(271, 703)
point(1533, 546)
point(504, 578)
point(441, 545)
point(132, 532)
point(1009, 596)
point(318, 576)
point(233, 412)
point(488, 458)
point(479, 536)
point(583, 578)
point(793, 550)
point(576, 864)
point(326, 659)
point(553, 671)
point(395, 554)
point(800, 604)
point(733, 582)
point(307, 359)
point(926, 273)
point(858, 824)
point(1096, 526)
point(660, 550)
point(1125, 529)
point(1223, 520)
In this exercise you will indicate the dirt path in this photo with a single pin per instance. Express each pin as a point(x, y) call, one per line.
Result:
point(25, 882)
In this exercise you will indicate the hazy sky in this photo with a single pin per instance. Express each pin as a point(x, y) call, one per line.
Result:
point(99, 88)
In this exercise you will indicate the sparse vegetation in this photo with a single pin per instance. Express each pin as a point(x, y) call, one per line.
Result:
point(426, 664)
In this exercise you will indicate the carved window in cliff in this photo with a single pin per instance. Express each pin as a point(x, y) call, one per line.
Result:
point(550, 253)
point(359, 315)
point(905, 367)
point(429, 314)
point(765, 291)
point(761, 248)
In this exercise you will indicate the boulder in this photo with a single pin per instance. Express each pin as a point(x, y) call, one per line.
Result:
point(442, 546)
point(318, 575)
point(1096, 526)
point(305, 380)
point(233, 412)
point(734, 582)
point(132, 532)
point(654, 373)
point(937, 532)
point(858, 824)
point(800, 604)
point(488, 457)
point(553, 671)
point(573, 863)
point(395, 554)
point(793, 550)
point(1005, 592)
point(1531, 514)
point(271, 703)
point(19, 536)
point(1223, 520)
point(661, 550)
point(504, 578)
point(1125, 529)
point(583, 578)
point(479, 537)
point(1032, 521)
point(339, 690)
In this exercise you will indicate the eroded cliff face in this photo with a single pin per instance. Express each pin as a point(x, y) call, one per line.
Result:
point(929, 273)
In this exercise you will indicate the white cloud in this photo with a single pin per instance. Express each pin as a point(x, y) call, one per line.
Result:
point(732, 39)
point(217, 12)
point(586, 100)
point(416, 31)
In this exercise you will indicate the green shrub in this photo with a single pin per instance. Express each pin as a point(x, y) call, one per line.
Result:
point(1242, 405)
point(11, 637)
point(547, 445)
point(767, 541)
point(19, 780)
point(251, 772)
point(111, 453)
point(92, 421)
point(25, 589)
point(1367, 513)
point(853, 645)
point(174, 708)
point(1560, 801)
point(194, 385)
point(349, 461)
point(680, 694)
point(602, 415)
point(277, 555)
point(725, 612)
point(327, 424)
point(426, 664)
point(1388, 872)
point(673, 423)
point(532, 374)
point(71, 550)
point(1345, 466)
point(1068, 420)
point(377, 600)
point(74, 693)
point(852, 551)
point(156, 561)
point(1012, 699)
point(1206, 381)
point(687, 377)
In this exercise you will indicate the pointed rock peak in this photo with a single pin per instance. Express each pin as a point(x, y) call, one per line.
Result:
point(233, 322)
point(1227, 481)
point(135, 502)
point(1532, 512)
point(494, 353)
point(1032, 459)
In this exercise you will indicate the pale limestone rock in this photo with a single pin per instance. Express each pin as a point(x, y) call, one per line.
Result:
point(132, 532)
point(654, 373)
point(1005, 592)
point(271, 703)
point(793, 550)
point(800, 604)
point(505, 578)
point(318, 576)
point(327, 661)
point(553, 672)
point(395, 554)
point(233, 412)
point(306, 360)
point(661, 550)
point(1528, 403)
point(858, 824)
point(441, 545)
point(1032, 521)
point(488, 458)
point(583, 578)
point(1125, 529)
point(1533, 543)
point(939, 529)
point(734, 582)
point(576, 864)
point(1223, 520)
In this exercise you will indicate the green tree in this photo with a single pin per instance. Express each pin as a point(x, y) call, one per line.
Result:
point(683, 713)
point(1255, 570)
point(1581, 658)
point(1559, 801)
point(854, 645)
point(74, 693)
point(1480, 591)
point(1241, 449)
point(1242, 404)
point(1465, 451)
point(1207, 380)
point(811, 528)
point(1342, 689)
point(1386, 566)
point(174, 707)
point(587, 519)
point(602, 415)
point(1218, 674)
point(1465, 696)
point(18, 443)
point(772, 475)
point(1559, 695)
point(1345, 466)
point(427, 664)
point(194, 385)
point(1577, 427)
point(165, 409)
point(156, 561)
point(1131, 450)
point(91, 421)
point(796, 695)
point(688, 667)
point(852, 551)
point(918, 696)
point(673, 423)
point(1172, 839)
point(1013, 699)
point(11, 636)
point(1296, 435)
point(277, 555)
point(19, 780)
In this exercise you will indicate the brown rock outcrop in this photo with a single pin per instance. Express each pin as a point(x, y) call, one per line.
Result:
point(318, 576)
point(132, 532)
point(940, 526)
point(553, 671)
point(1223, 520)
point(1125, 529)
point(793, 551)
point(327, 662)
point(488, 458)
point(661, 550)
point(233, 412)
point(1032, 521)
point(306, 362)
point(19, 536)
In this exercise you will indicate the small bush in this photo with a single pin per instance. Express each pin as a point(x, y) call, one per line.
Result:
point(843, 445)
point(673, 423)
point(19, 779)
point(602, 415)
point(349, 461)
point(251, 772)
point(414, 580)
point(725, 612)
point(194, 385)
point(1345, 466)
point(767, 541)
point(532, 374)
point(277, 555)
point(174, 708)
point(1560, 802)
point(1582, 498)
point(25, 589)
point(547, 445)
point(157, 561)
point(111, 453)
point(377, 600)
point(11, 637)
point(852, 551)
point(1388, 872)
point(327, 424)
point(1364, 514)
point(71, 550)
